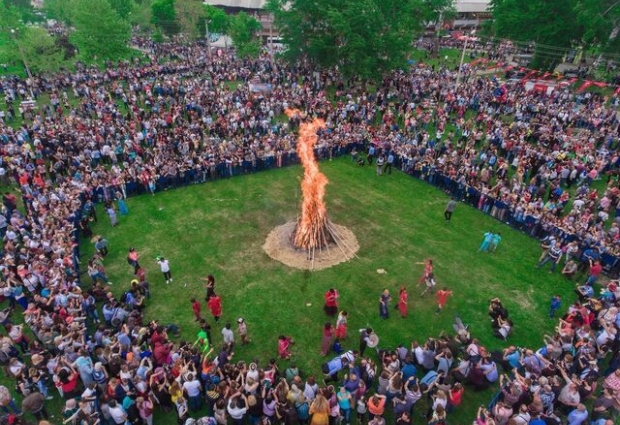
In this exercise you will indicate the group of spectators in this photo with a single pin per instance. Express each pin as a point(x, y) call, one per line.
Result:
point(184, 118)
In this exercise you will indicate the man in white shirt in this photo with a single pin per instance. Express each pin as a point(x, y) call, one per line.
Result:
point(229, 336)
point(164, 266)
point(192, 388)
point(117, 413)
point(237, 407)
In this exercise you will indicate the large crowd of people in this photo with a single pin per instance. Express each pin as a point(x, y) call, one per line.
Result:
point(184, 118)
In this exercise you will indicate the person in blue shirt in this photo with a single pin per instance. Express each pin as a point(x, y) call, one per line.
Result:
point(556, 302)
point(486, 242)
point(578, 416)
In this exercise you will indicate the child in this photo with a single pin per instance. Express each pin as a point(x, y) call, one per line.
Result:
point(555, 304)
point(361, 410)
point(442, 298)
point(196, 309)
point(243, 331)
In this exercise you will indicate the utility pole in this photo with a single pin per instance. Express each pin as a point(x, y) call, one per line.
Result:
point(208, 37)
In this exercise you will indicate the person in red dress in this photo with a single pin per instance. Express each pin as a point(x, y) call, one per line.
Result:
point(403, 298)
point(442, 298)
point(331, 302)
point(428, 270)
point(284, 344)
point(196, 309)
point(341, 325)
point(326, 341)
point(215, 305)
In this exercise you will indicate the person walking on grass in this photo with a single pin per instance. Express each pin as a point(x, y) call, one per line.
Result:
point(403, 299)
point(243, 331)
point(215, 306)
point(554, 305)
point(486, 242)
point(450, 207)
point(112, 214)
point(384, 302)
point(497, 238)
point(196, 309)
point(442, 298)
point(164, 266)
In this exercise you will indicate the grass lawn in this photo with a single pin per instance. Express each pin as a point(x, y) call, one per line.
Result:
point(219, 228)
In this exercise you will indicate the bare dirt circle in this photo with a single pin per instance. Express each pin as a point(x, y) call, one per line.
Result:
point(279, 247)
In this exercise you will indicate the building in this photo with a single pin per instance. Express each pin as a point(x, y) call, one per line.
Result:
point(470, 13)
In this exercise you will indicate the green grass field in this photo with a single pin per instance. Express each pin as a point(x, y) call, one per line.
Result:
point(219, 228)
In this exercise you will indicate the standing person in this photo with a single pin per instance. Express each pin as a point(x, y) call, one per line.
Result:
point(132, 259)
point(122, 205)
point(450, 207)
point(112, 214)
point(428, 270)
point(497, 238)
point(243, 331)
point(210, 285)
point(215, 306)
point(341, 325)
point(326, 340)
point(402, 305)
point(486, 242)
point(284, 344)
point(331, 302)
point(442, 298)
point(164, 266)
point(554, 305)
point(196, 310)
point(380, 162)
point(345, 402)
point(553, 256)
point(364, 340)
point(319, 409)
point(229, 336)
point(384, 302)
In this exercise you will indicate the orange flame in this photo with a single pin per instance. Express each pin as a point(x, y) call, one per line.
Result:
point(311, 227)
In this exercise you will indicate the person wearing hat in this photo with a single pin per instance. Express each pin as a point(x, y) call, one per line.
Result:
point(35, 403)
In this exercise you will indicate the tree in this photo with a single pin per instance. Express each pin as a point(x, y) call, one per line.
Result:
point(219, 21)
point(99, 31)
point(551, 24)
point(190, 14)
point(40, 50)
point(165, 17)
point(25, 44)
point(60, 10)
point(124, 8)
point(364, 38)
point(242, 31)
point(601, 23)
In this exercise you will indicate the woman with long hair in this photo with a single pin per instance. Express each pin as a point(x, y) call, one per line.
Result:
point(319, 409)
point(326, 340)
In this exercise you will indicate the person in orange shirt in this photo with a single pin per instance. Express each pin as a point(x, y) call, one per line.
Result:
point(376, 404)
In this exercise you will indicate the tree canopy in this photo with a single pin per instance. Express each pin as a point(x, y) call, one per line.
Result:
point(242, 31)
point(99, 30)
point(555, 26)
point(364, 38)
point(164, 16)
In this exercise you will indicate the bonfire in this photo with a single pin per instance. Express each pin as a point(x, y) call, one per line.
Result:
point(312, 241)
